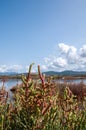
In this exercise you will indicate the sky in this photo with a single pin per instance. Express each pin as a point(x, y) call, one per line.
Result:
point(49, 33)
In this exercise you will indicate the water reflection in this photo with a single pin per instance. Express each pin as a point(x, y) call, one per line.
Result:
point(71, 81)
point(10, 83)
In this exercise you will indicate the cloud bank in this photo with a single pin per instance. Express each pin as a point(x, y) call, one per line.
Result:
point(10, 68)
point(67, 58)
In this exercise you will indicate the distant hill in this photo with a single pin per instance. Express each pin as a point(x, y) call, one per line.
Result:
point(16, 75)
point(48, 73)
point(66, 73)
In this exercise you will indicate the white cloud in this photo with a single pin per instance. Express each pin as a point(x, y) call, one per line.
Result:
point(72, 55)
point(60, 62)
point(33, 69)
point(83, 51)
point(68, 58)
point(63, 47)
point(3, 68)
point(10, 68)
point(69, 52)
point(44, 67)
point(15, 67)
point(54, 63)
point(47, 59)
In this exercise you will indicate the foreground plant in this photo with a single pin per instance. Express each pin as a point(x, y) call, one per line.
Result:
point(38, 106)
point(33, 103)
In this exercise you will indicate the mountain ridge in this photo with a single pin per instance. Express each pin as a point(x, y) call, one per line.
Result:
point(66, 72)
point(62, 73)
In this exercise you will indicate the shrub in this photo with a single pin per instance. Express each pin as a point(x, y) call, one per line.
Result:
point(38, 106)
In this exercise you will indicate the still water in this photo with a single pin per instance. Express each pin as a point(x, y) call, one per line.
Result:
point(72, 81)
point(10, 83)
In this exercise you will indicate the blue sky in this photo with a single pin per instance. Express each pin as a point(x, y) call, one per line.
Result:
point(51, 33)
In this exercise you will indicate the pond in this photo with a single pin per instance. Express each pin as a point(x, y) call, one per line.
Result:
point(10, 83)
point(72, 81)
point(13, 82)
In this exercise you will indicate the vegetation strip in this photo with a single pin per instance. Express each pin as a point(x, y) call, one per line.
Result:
point(42, 105)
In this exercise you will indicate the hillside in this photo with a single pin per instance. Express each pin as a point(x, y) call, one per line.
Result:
point(66, 73)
